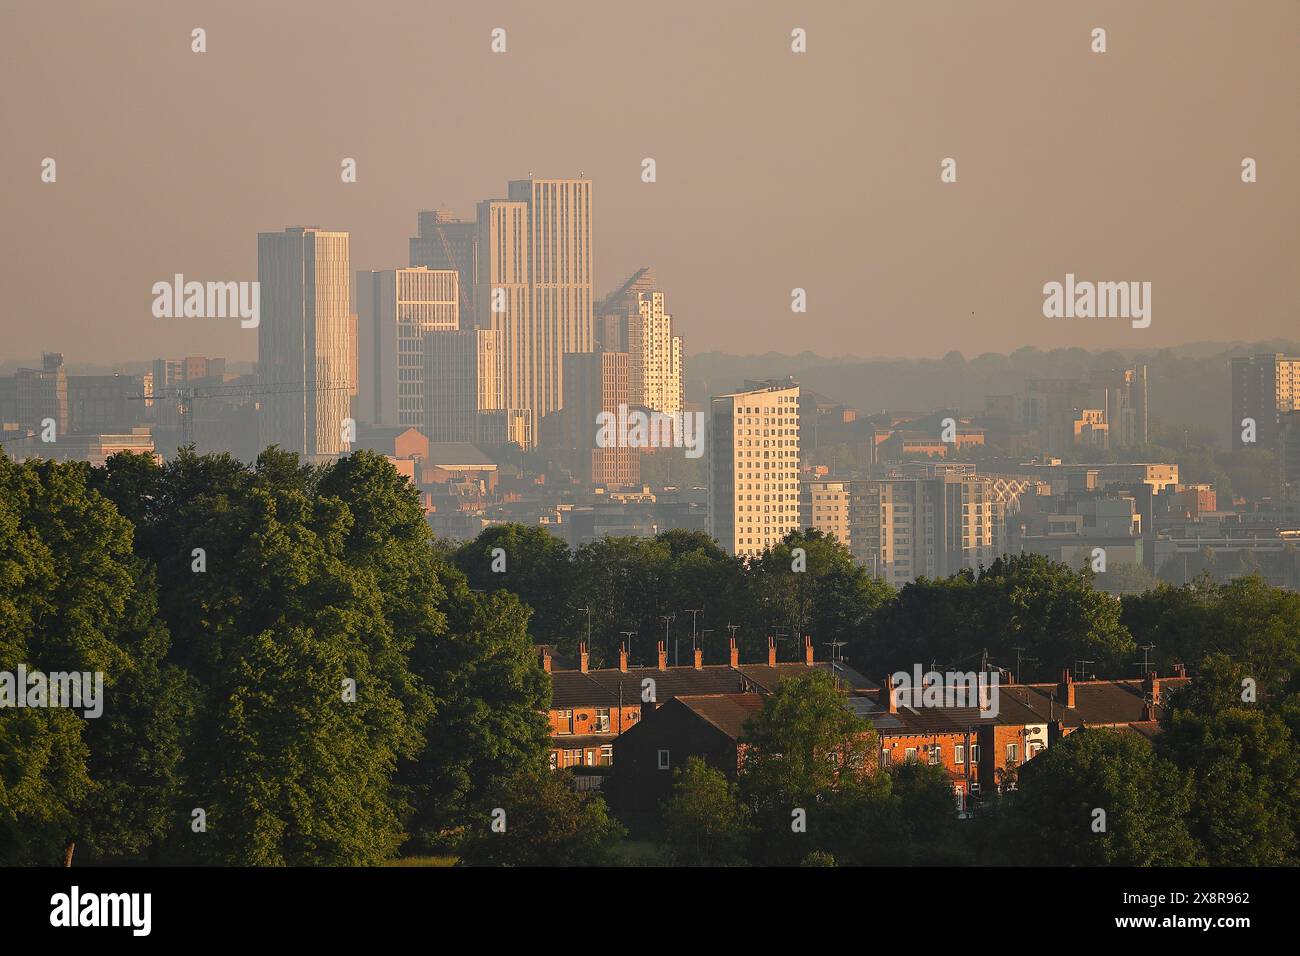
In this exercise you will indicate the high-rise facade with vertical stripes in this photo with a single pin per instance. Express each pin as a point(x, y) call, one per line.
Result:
point(396, 308)
point(535, 285)
point(303, 341)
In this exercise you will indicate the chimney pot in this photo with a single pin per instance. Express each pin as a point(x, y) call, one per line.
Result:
point(735, 654)
point(699, 657)
point(771, 651)
point(1152, 687)
point(663, 656)
point(582, 657)
point(808, 650)
point(1065, 690)
point(887, 691)
point(622, 658)
point(546, 659)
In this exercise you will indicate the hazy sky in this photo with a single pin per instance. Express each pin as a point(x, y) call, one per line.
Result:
point(775, 170)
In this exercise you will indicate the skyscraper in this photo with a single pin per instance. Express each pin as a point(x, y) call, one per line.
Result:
point(753, 443)
point(596, 382)
point(1123, 394)
point(42, 394)
point(634, 319)
point(396, 308)
point(535, 282)
point(303, 340)
point(445, 242)
point(656, 355)
point(504, 298)
point(1264, 388)
point(462, 380)
point(903, 528)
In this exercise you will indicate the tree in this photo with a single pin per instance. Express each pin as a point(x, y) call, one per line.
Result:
point(825, 593)
point(1123, 577)
point(1241, 752)
point(801, 751)
point(296, 594)
point(1048, 609)
point(1099, 798)
point(1245, 769)
point(490, 699)
point(535, 818)
point(531, 563)
point(705, 824)
point(75, 598)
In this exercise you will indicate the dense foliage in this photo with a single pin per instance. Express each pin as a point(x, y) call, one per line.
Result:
point(296, 673)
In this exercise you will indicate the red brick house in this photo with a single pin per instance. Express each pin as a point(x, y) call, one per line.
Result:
point(591, 707)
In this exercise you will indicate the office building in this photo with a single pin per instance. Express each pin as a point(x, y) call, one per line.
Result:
point(303, 340)
point(445, 242)
point(41, 394)
point(905, 528)
point(535, 284)
point(1264, 387)
point(462, 378)
point(596, 382)
point(396, 308)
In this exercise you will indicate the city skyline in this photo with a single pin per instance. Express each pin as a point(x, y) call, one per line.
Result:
point(1122, 167)
point(656, 435)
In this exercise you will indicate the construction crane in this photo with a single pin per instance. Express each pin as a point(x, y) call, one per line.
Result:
point(186, 394)
point(452, 264)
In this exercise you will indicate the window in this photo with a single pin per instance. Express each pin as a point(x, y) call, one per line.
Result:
point(663, 760)
point(959, 754)
point(555, 760)
point(909, 754)
point(974, 753)
point(607, 755)
point(936, 752)
point(1013, 753)
point(566, 721)
point(602, 720)
point(886, 758)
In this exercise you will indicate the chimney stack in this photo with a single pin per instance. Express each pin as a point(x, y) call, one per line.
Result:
point(622, 658)
point(546, 658)
point(1151, 688)
point(771, 651)
point(889, 698)
point(735, 654)
point(582, 657)
point(1065, 690)
point(663, 656)
point(699, 657)
point(807, 650)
